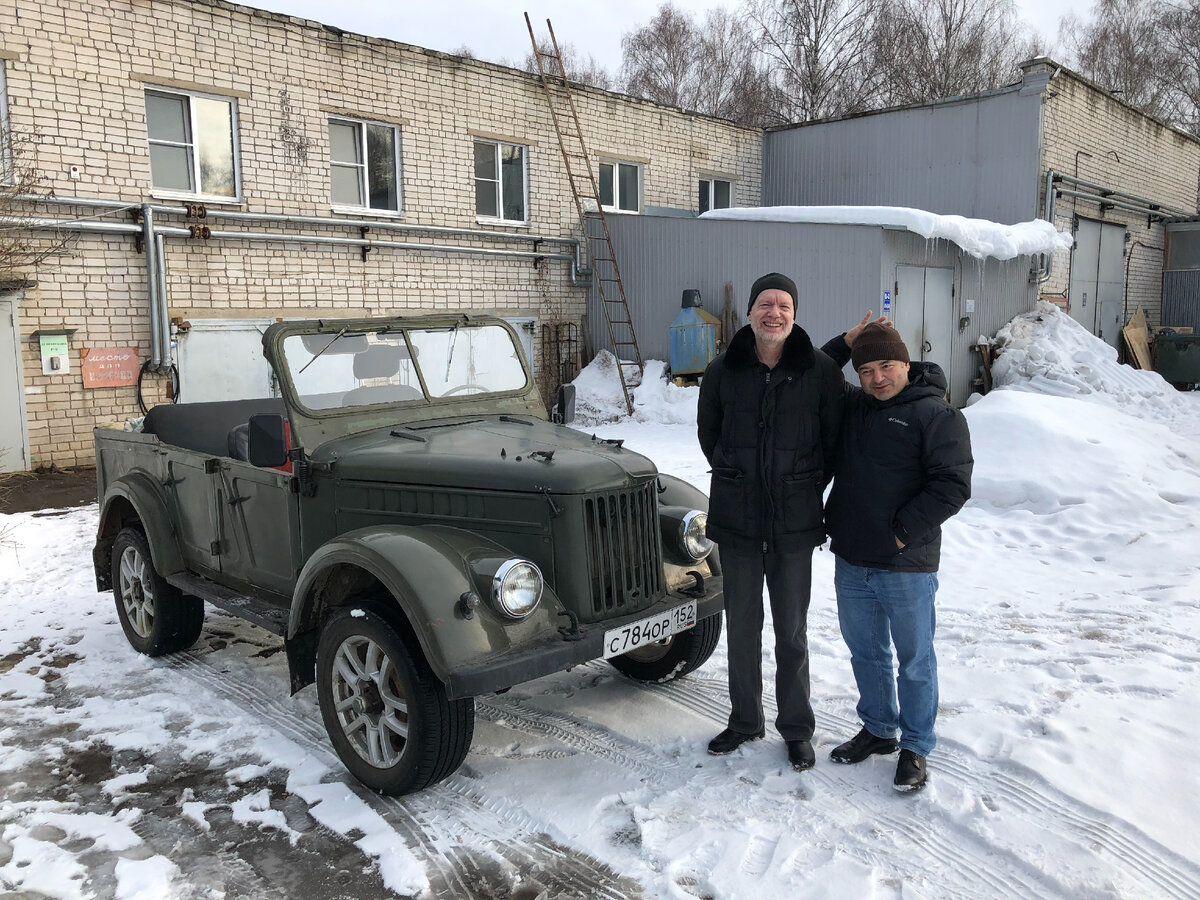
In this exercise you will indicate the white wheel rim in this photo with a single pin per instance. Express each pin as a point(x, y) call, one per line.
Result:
point(137, 593)
point(369, 701)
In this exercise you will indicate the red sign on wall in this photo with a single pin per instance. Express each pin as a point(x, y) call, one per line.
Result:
point(105, 367)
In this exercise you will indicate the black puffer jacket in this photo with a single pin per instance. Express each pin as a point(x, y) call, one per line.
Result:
point(769, 435)
point(903, 468)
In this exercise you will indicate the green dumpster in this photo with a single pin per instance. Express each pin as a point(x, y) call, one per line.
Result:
point(1177, 358)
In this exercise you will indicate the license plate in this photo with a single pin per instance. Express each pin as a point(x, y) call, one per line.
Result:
point(649, 630)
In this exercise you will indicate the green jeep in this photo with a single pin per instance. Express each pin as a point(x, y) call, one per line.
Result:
point(409, 520)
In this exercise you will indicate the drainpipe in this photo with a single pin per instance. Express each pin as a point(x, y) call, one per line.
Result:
point(152, 286)
point(164, 317)
point(1048, 208)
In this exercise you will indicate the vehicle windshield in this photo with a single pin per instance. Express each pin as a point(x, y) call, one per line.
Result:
point(340, 369)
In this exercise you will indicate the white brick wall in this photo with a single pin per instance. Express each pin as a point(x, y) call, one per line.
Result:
point(77, 75)
point(1088, 133)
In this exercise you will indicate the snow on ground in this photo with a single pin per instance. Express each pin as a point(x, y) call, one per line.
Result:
point(978, 237)
point(1069, 654)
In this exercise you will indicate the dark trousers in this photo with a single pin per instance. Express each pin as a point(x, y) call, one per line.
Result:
point(789, 582)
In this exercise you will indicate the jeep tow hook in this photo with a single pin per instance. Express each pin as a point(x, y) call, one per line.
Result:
point(572, 632)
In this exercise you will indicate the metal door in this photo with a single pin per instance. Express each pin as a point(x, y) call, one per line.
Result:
point(1097, 289)
point(13, 447)
point(923, 313)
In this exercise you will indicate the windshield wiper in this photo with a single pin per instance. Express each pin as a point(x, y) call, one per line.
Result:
point(337, 337)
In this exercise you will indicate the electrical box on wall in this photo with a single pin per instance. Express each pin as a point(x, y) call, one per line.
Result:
point(55, 351)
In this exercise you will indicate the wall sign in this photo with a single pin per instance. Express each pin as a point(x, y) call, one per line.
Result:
point(887, 301)
point(109, 366)
point(55, 359)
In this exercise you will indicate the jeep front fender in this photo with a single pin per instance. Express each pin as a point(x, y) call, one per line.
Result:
point(136, 496)
point(426, 570)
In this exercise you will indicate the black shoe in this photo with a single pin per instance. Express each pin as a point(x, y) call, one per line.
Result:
point(910, 772)
point(801, 755)
point(861, 746)
point(729, 740)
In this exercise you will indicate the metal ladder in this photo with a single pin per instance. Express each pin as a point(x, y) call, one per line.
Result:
point(584, 187)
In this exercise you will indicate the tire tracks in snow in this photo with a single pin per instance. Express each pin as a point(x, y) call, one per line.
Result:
point(444, 826)
point(1134, 854)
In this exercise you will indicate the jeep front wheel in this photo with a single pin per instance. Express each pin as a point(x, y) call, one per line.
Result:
point(387, 714)
point(155, 615)
point(674, 657)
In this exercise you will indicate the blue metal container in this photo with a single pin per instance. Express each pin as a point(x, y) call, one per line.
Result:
point(693, 338)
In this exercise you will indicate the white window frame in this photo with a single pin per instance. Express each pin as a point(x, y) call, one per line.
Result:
point(708, 184)
point(193, 156)
point(6, 150)
point(616, 184)
point(360, 125)
point(499, 145)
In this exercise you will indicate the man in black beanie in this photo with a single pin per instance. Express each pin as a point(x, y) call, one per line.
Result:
point(903, 468)
point(768, 417)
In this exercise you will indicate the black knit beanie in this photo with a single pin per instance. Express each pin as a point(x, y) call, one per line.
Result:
point(877, 342)
point(774, 281)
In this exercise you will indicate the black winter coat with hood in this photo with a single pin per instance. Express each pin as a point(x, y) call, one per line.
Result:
point(903, 468)
point(769, 435)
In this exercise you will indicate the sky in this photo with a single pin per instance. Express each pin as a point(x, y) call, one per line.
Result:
point(495, 29)
point(1068, 660)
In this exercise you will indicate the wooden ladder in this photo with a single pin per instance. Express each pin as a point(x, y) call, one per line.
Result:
point(606, 272)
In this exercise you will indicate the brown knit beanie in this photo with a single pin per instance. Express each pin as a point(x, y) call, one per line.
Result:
point(773, 281)
point(877, 342)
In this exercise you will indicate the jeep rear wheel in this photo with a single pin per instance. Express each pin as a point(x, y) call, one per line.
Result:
point(155, 615)
point(387, 714)
point(674, 657)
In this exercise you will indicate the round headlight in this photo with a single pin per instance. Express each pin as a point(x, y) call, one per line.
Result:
point(692, 537)
point(516, 588)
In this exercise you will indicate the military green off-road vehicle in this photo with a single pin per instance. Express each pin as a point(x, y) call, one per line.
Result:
point(408, 519)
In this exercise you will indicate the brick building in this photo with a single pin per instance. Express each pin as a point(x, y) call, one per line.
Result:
point(369, 177)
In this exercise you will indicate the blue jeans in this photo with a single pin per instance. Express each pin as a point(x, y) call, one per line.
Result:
point(877, 609)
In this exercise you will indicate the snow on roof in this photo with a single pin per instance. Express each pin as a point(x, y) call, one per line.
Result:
point(978, 237)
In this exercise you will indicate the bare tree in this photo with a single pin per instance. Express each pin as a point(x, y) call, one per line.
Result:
point(21, 182)
point(709, 68)
point(660, 60)
point(1122, 49)
point(932, 49)
point(820, 55)
point(1179, 29)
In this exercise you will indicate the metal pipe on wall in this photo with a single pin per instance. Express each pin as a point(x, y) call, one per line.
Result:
point(164, 317)
point(580, 276)
point(1160, 213)
point(152, 287)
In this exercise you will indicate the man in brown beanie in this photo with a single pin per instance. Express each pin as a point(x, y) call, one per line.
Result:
point(768, 419)
point(903, 468)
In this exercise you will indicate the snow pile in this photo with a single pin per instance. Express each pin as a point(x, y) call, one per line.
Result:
point(1047, 352)
point(598, 397)
point(978, 237)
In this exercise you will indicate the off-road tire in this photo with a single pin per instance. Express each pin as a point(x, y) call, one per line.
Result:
point(155, 615)
point(387, 714)
point(675, 657)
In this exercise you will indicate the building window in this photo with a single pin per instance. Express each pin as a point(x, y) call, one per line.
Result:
point(6, 148)
point(620, 187)
point(715, 193)
point(192, 147)
point(364, 164)
point(500, 181)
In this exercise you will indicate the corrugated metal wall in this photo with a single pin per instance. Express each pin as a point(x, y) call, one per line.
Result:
point(841, 272)
point(835, 268)
point(975, 158)
point(1181, 299)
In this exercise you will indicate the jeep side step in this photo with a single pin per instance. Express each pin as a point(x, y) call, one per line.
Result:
point(265, 615)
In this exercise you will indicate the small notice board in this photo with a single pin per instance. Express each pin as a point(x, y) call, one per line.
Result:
point(105, 367)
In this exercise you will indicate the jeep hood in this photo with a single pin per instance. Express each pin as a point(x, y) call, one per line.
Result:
point(510, 453)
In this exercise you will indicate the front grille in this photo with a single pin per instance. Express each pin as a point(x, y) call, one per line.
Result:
point(624, 549)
